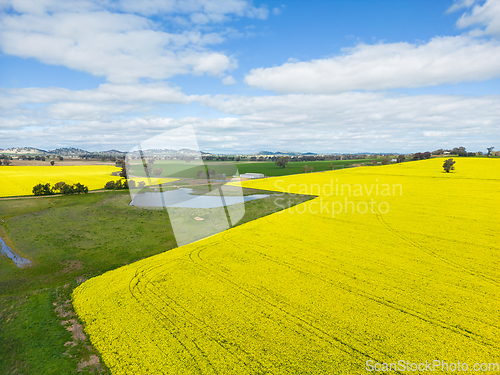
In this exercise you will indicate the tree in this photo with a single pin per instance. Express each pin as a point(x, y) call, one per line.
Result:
point(131, 184)
point(385, 161)
point(142, 184)
point(282, 161)
point(57, 187)
point(123, 172)
point(157, 171)
point(401, 158)
point(331, 166)
point(61, 158)
point(109, 185)
point(374, 162)
point(448, 165)
point(52, 162)
point(80, 189)
point(489, 151)
point(307, 169)
point(42, 189)
point(460, 151)
point(67, 189)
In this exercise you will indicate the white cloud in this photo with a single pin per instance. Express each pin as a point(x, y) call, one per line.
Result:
point(228, 80)
point(460, 4)
point(216, 10)
point(105, 93)
point(121, 116)
point(101, 38)
point(206, 10)
point(386, 66)
point(486, 15)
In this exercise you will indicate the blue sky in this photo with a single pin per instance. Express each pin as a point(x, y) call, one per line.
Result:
point(317, 76)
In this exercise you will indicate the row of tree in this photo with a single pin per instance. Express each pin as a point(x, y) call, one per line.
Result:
point(60, 188)
point(39, 157)
point(123, 184)
point(461, 151)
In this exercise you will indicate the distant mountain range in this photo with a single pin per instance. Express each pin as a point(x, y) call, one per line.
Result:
point(287, 153)
point(66, 151)
point(72, 151)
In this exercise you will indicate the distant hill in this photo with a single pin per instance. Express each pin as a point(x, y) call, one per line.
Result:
point(23, 150)
point(69, 151)
point(75, 152)
point(287, 153)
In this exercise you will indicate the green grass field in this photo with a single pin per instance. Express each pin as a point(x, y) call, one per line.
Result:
point(70, 239)
point(179, 168)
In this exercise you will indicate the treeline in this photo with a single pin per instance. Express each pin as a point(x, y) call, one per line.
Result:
point(295, 158)
point(60, 188)
point(461, 151)
point(422, 155)
point(102, 157)
point(39, 157)
point(123, 184)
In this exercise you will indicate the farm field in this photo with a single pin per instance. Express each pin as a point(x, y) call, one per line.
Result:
point(181, 169)
point(18, 181)
point(270, 169)
point(319, 288)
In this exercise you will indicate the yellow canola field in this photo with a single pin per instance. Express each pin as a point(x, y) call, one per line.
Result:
point(320, 288)
point(19, 180)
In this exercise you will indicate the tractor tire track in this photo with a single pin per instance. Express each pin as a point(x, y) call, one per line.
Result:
point(434, 254)
point(203, 327)
point(416, 314)
point(292, 318)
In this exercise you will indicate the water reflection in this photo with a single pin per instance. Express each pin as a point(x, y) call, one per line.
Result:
point(184, 199)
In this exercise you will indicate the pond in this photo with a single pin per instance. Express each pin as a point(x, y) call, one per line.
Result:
point(183, 198)
point(16, 258)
